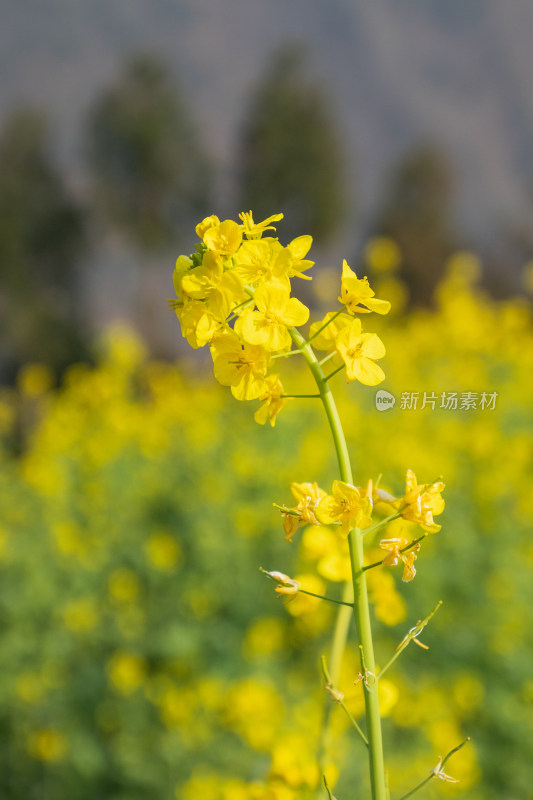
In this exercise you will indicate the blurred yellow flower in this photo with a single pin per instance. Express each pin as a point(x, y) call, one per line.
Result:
point(294, 760)
point(163, 551)
point(382, 254)
point(126, 671)
point(47, 745)
point(266, 635)
point(124, 586)
point(35, 379)
point(304, 604)
point(80, 615)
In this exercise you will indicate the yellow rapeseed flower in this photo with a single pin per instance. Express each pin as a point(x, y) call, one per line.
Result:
point(220, 290)
point(357, 295)
point(276, 313)
point(272, 401)
point(423, 502)
point(223, 238)
point(359, 351)
point(198, 325)
point(262, 260)
point(203, 226)
point(297, 249)
point(307, 496)
point(395, 546)
point(347, 505)
point(254, 230)
point(288, 587)
point(243, 367)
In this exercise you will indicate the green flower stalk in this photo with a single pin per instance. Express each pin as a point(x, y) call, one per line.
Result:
point(234, 295)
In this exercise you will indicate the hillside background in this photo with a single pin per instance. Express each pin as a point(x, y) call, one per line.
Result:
point(398, 74)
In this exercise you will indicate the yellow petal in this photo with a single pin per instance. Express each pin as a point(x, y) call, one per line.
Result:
point(295, 314)
point(327, 510)
point(372, 346)
point(300, 246)
point(272, 297)
point(379, 306)
point(364, 370)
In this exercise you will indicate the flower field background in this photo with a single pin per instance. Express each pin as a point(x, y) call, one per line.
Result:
point(143, 653)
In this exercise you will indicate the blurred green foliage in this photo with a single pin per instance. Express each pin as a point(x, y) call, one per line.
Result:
point(290, 155)
point(142, 653)
point(148, 169)
point(417, 213)
point(42, 238)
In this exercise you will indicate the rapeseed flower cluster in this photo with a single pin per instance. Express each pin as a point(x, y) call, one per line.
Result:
point(234, 294)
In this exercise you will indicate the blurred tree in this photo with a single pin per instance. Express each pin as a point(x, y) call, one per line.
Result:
point(148, 170)
point(416, 213)
point(290, 153)
point(41, 241)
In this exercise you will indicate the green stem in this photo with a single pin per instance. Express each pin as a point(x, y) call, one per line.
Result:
point(361, 605)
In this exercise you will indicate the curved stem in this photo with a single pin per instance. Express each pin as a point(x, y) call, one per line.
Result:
point(361, 606)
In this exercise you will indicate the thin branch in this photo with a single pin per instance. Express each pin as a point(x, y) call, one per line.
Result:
point(338, 698)
point(288, 353)
point(298, 590)
point(331, 374)
point(327, 788)
point(403, 550)
point(299, 396)
point(437, 772)
point(323, 597)
point(411, 636)
point(327, 358)
point(383, 522)
point(325, 325)
point(285, 510)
